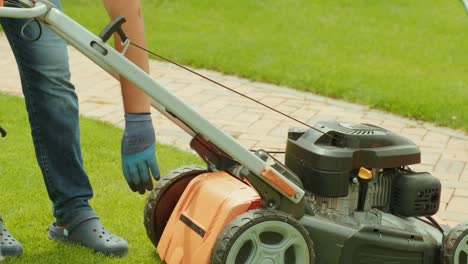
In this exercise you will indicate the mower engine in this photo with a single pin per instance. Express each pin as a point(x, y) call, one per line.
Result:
point(398, 191)
point(329, 168)
point(362, 196)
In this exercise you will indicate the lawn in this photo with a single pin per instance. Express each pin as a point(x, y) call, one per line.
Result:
point(26, 208)
point(406, 57)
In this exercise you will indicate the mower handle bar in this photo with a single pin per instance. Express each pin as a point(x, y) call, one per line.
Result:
point(39, 9)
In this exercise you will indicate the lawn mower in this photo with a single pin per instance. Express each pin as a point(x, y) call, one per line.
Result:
point(345, 193)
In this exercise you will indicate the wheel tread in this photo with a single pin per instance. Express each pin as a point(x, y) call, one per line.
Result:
point(152, 199)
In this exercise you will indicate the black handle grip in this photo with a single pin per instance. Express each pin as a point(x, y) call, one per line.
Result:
point(114, 26)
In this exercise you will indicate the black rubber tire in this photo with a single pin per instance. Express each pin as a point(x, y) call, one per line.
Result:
point(243, 222)
point(164, 197)
point(451, 242)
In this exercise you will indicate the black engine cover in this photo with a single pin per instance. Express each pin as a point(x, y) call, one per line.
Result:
point(325, 161)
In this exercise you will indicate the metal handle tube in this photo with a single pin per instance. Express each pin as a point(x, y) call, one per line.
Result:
point(111, 60)
point(38, 10)
point(465, 3)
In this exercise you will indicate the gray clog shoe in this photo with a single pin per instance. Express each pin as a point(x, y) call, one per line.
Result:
point(9, 246)
point(92, 234)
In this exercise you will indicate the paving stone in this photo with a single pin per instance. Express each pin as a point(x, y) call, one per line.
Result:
point(442, 221)
point(264, 126)
point(455, 155)
point(230, 112)
point(100, 111)
point(236, 131)
point(422, 167)
point(321, 117)
point(450, 166)
point(273, 101)
point(413, 130)
point(458, 204)
point(437, 137)
point(393, 125)
point(447, 194)
point(464, 176)
point(279, 132)
point(457, 143)
point(430, 157)
point(456, 217)
point(250, 144)
point(459, 192)
point(245, 119)
point(432, 145)
point(276, 145)
point(350, 117)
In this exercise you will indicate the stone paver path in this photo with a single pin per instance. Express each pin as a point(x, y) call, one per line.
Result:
point(444, 151)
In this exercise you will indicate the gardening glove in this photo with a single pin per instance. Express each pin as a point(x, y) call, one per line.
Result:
point(138, 152)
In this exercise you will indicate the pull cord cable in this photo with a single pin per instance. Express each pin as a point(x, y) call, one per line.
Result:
point(230, 89)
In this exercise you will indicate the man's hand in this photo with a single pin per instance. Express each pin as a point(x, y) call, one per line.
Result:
point(138, 152)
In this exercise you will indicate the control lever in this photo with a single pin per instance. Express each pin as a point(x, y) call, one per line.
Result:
point(364, 177)
point(115, 26)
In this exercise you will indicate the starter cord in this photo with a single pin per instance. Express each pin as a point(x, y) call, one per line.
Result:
point(230, 89)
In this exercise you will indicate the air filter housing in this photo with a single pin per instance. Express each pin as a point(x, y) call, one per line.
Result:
point(327, 157)
point(415, 194)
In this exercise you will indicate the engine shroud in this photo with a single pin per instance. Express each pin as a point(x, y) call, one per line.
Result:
point(327, 161)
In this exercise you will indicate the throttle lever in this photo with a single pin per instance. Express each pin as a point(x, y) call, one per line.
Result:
point(115, 26)
point(364, 177)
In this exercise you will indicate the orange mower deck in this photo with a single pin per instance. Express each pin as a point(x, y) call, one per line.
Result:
point(209, 202)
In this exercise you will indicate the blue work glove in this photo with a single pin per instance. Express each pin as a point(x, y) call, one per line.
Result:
point(138, 153)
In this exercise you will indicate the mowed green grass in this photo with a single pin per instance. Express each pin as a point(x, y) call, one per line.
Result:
point(26, 208)
point(406, 57)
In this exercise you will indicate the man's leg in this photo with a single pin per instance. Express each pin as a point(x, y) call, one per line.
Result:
point(52, 107)
point(53, 115)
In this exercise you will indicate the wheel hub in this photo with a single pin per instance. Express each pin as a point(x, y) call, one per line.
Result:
point(267, 261)
point(271, 242)
point(461, 253)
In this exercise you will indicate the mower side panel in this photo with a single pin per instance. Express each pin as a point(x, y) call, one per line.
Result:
point(328, 238)
point(377, 245)
point(209, 203)
point(339, 243)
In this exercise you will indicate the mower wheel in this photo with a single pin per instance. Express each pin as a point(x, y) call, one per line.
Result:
point(263, 236)
point(455, 245)
point(164, 197)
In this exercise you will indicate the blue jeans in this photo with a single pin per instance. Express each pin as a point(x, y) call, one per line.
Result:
point(52, 107)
